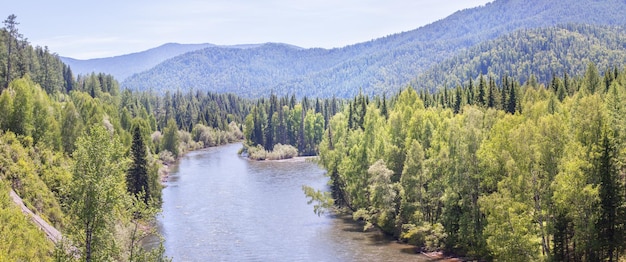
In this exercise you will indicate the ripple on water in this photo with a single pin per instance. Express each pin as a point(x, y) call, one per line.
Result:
point(222, 207)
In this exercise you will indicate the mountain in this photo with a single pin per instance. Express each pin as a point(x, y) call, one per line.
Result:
point(124, 66)
point(542, 52)
point(377, 66)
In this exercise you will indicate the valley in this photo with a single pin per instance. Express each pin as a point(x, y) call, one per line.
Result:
point(497, 133)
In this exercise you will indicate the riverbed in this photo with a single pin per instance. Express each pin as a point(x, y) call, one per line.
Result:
point(218, 206)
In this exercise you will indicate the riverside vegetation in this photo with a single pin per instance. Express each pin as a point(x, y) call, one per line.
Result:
point(489, 168)
point(85, 155)
point(508, 172)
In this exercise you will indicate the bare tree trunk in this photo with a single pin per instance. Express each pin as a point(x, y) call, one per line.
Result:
point(89, 233)
point(537, 199)
point(132, 242)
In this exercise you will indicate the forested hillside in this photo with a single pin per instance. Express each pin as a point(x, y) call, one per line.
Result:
point(511, 149)
point(535, 173)
point(543, 53)
point(87, 157)
point(382, 65)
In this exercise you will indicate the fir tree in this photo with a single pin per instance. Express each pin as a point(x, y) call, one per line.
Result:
point(609, 225)
point(137, 176)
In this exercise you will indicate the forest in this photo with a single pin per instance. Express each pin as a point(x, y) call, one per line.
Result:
point(542, 52)
point(294, 127)
point(511, 172)
point(517, 37)
point(496, 167)
point(88, 157)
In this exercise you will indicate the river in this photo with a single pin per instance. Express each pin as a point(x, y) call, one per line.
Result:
point(218, 206)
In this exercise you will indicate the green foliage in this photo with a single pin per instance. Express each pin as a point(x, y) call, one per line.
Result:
point(384, 64)
point(280, 151)
point(382, 196)
point(21, 167)
point(21, 120)
point(510, 232)
point(98, 193)
point(45, 111)
point(278, 121)
point(171, 138)
point(429, 236)
point(535, 184)
point(542, 52)
point(137, 180)
point(19, 59)
point(323, 199)
point(20, 240)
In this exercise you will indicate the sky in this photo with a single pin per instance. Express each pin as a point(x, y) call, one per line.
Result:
point(85, 29)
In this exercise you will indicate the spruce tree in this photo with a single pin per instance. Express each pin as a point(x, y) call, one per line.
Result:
point(491, 95)
point(137, 176)
point(480, 97)
point(457, 100)
point(512, 102)
point(12, 41)
point(609, 226)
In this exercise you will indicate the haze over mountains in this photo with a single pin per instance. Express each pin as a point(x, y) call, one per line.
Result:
point(385, 64)
point(126, 65)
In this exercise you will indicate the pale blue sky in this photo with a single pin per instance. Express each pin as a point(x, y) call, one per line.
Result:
point(89, 29)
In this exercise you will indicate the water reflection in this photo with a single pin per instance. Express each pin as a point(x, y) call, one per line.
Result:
point(218, 206)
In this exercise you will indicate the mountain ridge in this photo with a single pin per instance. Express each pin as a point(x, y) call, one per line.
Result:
point(373, 67)
point(544, 53)
point(123, 66)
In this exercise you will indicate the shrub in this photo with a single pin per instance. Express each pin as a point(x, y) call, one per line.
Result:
point(166, 156)
point(429, 236)
point(280, 152)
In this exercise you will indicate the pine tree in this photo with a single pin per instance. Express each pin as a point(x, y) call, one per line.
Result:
point(491, 98)
point(383, 108)
point(13, 40)
point(480, 99)
point(470, 93)
point(457, 100)
point(609, 224)
point(592, 79)
point(512, 102)
point(137, 176)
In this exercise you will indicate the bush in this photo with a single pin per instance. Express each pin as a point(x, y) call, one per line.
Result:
point(166, 157)
point(214, 137)
point(280, 152)
point(428, 236)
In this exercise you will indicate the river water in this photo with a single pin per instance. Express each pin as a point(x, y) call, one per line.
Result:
point(218, 206)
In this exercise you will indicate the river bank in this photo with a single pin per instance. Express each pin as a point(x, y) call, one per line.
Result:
point(216, 206)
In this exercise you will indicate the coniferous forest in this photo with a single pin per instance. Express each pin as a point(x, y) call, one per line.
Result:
point(87, 157)
point(512, 158)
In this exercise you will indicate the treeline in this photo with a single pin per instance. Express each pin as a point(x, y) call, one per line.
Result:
point(18, 58)
point(87, 157)
point(537, 174)
point(41, 134)
point(288, 122)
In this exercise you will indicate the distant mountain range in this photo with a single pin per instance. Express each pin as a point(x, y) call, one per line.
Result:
point(124, 66)
point(382, 65)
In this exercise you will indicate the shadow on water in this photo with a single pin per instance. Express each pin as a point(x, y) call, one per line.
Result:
point(374, 236)
point(216, 209)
